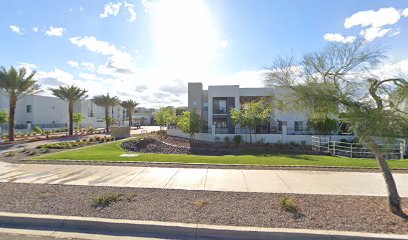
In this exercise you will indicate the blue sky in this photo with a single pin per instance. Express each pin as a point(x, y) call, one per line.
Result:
point(149, 49)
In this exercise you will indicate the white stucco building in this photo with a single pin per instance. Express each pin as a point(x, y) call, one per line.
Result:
point(214, 104)
point(52, 112)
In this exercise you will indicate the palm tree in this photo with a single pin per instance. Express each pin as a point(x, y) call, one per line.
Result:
point(16, 83)
point(71, 94)
point(106, 101)
point(129, 105)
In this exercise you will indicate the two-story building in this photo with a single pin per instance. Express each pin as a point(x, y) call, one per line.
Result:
point(214, 105)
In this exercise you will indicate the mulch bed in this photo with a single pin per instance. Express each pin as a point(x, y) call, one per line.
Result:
point(345, 213)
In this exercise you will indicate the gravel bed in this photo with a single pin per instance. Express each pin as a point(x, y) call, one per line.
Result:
point(153, 145)
point(344, 213)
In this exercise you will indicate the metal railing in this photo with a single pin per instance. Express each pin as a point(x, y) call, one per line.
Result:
point(220, 110)
point(356, 150)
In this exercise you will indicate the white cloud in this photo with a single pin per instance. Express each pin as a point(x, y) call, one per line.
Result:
point(88, 76)
point(16, 29)
point(394, 33)
point(55, 31)
point(375, 21)
point(224, 44)
point(374, 32)
point(117, 61)
point(336, 37)
point(28, 66)
point(382, 17)
point(111, 9)
point(73, 63)
point(131, 10)
point(405, 12)
point(94, 45)
point(88, 66)
point(35, 29)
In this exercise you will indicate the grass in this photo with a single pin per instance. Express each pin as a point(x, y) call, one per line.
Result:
point(111, 152)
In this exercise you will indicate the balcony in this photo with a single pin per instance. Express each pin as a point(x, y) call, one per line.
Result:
point(220, 110)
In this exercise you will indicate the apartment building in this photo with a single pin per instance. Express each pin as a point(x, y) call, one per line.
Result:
point(214, 103)
point(52, 112)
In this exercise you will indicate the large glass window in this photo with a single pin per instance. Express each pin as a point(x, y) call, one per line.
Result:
point(220, 106)
point(29, 108)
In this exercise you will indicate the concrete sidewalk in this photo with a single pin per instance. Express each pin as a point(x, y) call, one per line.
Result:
point(236, 180)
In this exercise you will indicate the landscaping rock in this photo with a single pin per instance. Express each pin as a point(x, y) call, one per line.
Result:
point(153, 145)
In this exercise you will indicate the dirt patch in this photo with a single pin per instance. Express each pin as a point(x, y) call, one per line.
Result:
point(344, 213)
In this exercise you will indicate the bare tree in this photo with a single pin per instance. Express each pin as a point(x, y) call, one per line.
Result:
point(338, 81)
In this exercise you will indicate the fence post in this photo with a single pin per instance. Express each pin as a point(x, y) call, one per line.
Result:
point(334, 147)
point(402, 150)
point(351, 150)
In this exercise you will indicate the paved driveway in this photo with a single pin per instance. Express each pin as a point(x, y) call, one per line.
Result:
point(272, 181)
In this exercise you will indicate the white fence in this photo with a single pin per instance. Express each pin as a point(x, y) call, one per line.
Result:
point(395, 150)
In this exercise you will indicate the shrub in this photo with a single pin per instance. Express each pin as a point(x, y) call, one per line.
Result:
point(106, 199)
point(90, 130)
point(227, 140)
point(91, 140)
point(289, 204)
point(293, 143)
point(161, 132)
point(9, 154)
point(38, 130)
point(217, 139)
point(98, 138)
point(237, 139)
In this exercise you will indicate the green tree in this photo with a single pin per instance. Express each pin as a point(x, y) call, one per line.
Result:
point(252, 114)
point(71, 94)
point(129, 105)
point(190, 122)
point(16, 83)
point(106, 102)
point(3, 117)
point(78, 118)
point(337, 81)
point(180, 110)
point(165, 116)
point(323, 125)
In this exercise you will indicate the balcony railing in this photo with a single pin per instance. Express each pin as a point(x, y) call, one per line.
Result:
point(220, 110)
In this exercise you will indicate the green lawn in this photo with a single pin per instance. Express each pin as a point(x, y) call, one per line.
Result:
point(111, 152)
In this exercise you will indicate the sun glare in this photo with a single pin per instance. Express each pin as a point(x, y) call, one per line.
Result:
point(184, 35)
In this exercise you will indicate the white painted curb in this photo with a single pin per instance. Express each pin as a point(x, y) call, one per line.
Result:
point(136, 228)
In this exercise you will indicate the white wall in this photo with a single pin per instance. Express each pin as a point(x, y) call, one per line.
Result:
point(268, 138)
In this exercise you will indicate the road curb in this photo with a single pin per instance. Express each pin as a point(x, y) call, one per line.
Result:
point(136, 228)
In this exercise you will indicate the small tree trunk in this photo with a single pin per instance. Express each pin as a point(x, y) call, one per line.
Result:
point(12, 109)
point(394, 200)
point(130, 117)
point(71, 118)
point(107, 119)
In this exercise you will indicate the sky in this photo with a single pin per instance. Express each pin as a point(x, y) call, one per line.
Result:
point(148, 50)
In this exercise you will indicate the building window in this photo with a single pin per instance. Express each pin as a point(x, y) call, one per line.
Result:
point(220, 106)
point(298, 125)
point(220, 123)
point(29, 108)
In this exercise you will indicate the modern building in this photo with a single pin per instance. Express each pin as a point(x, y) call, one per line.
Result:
point(214, 103)
point(144, 116)
point(52, 112)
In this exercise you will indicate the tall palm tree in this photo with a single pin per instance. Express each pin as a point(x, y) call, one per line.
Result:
point(106, 102)
point(71, 94)
point(16, 83)
point(129, 105)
